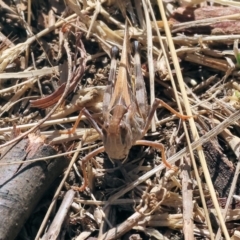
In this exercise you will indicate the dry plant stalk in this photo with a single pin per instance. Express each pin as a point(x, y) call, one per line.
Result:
point(192, 123)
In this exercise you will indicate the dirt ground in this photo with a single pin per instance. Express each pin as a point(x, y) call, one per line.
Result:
point(107, 179)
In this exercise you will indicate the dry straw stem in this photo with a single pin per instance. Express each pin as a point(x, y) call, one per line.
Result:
point(55, 197)
point(228, 3)
point(32, 73)
point(233, 214)
point(28, 29)
point(157, 194)
point(203, 22)
point(26, 74)
point(16, 97)
point(187, 136)
point(60, 216)
point(185, 129)
point(188, 139)
point(150, 58)
point(219, 64)
point(45, 124)
point(18, 49)
point(53, 156)
point(187, 199)
point(192, 124)
point(94, 17)
point(12, 53)
point(189, 41)
point(191, 2)
point(117, 202)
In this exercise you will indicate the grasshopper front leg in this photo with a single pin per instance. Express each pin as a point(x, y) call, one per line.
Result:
point(85, 112)
point(106, 98)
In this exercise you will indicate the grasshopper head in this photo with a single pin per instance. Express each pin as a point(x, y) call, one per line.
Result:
point(117, 135)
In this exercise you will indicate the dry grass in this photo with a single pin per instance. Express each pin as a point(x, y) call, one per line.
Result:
point(60, 54)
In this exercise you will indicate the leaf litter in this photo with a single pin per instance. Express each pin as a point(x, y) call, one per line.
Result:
point(55, 60)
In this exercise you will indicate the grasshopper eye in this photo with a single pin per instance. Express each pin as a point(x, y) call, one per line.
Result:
point(114, 52)
point(136, 47)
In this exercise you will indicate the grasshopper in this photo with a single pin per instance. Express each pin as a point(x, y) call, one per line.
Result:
point(126, 113)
